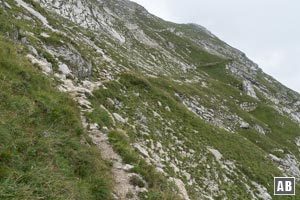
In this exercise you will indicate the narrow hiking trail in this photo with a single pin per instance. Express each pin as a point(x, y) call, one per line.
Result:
point(123, 189)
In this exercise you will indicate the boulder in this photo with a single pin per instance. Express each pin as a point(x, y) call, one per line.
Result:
point(249, 89)
point(244, 125)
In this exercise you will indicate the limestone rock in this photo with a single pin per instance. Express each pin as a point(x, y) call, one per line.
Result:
point(43, 64)
point(244, 125)
point(63, 68)
point(181, 187)
point(120, 118)
point(249, 89)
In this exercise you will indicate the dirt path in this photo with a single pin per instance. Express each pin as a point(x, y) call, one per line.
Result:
point(123, 190)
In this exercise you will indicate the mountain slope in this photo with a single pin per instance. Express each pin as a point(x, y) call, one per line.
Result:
point(181, 107)
point(42, 155)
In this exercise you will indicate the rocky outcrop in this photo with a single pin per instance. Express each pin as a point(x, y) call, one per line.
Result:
point(45, 66)
point(249, 89)
point(220, 116)
point(289, 164)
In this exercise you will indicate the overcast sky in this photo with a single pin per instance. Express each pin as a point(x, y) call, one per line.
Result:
point(268, 31)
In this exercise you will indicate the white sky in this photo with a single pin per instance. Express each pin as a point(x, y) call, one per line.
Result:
point(268, 31)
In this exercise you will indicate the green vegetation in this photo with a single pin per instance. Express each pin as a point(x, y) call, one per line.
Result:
point(159, 187)
point(41, 153)
point(45, 152)
point(99, 116)
point(233, 146)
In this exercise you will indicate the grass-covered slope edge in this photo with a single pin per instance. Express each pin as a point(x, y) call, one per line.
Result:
point(42, 152)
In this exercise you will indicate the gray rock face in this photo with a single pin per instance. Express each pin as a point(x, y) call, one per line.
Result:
point(289, 164)
point(249, 89)
point(80, 67)
point(181, 188)
point(64, 69)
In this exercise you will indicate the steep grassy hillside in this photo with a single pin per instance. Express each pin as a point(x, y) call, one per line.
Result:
point(44, 151)
point(175, 112)
point(171, 135)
